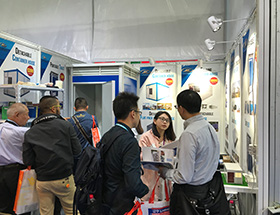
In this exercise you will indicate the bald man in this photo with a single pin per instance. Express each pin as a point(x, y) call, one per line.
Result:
point(11, 140)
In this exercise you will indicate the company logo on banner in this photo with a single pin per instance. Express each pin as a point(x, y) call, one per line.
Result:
point(144, 74)
point(169, 81)
point(245, 44)
point(62, 76)
point(5, 48)
point(30, 71)
point(186, 72)
point(213, 80)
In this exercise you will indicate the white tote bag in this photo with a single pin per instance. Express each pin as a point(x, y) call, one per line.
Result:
point(26, 196)
point(152, 207)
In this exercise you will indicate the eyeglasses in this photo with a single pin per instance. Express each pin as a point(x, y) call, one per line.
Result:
point(176, 106)
point(164, 119)
point(137, 111)
point(59, 106)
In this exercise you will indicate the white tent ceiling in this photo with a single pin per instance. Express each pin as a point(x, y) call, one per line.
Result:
point(124, 30)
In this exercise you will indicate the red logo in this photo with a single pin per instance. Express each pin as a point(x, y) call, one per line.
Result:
point(30, 70)
point(214, 80)
point(61, 76)
point(169, 81)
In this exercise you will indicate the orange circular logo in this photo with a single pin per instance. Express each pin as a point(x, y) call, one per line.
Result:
point(169, 81)
point(61, 76)
point(30, 70)
point(214, 80)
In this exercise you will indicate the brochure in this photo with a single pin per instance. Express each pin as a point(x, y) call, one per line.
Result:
point(154, 157)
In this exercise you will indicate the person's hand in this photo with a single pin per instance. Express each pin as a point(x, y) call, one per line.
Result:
point(162, 171)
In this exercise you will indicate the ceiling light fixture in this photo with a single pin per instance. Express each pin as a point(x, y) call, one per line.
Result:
point(211, 43)
point(216, 23)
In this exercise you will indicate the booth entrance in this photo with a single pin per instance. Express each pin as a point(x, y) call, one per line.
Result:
point(99, 84)
point(99, 97)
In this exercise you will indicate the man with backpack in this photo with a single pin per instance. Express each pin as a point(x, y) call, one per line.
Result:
point(86, 120)
point(122, 167)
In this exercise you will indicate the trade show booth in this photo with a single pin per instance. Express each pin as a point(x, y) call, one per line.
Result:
point(232, 67)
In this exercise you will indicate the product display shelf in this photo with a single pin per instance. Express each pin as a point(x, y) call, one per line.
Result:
point(239, 188)
point(18, 89)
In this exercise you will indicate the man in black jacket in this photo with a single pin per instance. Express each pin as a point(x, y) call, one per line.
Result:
point(122, 167)
point(49, 146)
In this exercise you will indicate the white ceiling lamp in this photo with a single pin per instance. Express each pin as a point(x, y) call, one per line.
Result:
point(210, 44)
point(216, 23)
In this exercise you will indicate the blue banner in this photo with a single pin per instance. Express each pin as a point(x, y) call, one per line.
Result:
point(232, 60)
point(245, 44)
point(186, 71)
point(144, 74)
point(45, 59)
point(5, 48)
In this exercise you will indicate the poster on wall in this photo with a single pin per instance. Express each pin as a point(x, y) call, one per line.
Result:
point(227, 109)
point(207, 85)
point(53, 71)
point(250, 105)
point(157, 93)
point(235, 127)
point(17, 66)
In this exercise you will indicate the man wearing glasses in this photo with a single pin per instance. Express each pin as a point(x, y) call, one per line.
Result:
point(122, 167)
point(49, 146)
point(198, 186)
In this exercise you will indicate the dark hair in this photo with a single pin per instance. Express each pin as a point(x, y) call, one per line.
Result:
point(190, 100)
point(46, 102)
point(124, 103)
point(80, 103)
point(169, 132)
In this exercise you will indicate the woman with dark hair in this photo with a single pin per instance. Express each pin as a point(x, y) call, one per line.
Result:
point(161, 133)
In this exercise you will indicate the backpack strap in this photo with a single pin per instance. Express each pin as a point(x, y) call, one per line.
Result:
point(109, 143)
point(81, 129)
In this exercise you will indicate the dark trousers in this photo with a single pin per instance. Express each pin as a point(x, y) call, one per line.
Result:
point(197, 200)
point(9, 175)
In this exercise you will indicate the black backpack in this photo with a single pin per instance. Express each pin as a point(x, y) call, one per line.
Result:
point(88, 178)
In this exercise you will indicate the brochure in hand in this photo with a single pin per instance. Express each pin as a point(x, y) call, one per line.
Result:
point(154, 157)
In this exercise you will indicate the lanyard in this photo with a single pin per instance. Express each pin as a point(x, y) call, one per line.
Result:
point(121, 126)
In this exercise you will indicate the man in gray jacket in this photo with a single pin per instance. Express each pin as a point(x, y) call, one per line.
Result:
point(49, 146)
